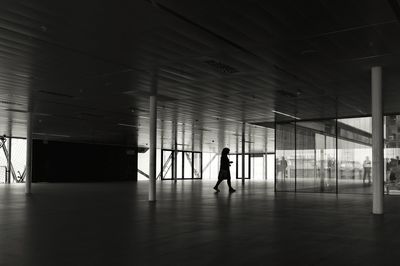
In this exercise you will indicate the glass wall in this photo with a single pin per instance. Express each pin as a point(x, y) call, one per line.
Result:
point(187, 160)
point(211, 165)
point(257, 166)
point(197, 165)
point(246, 166)
point(316, 156)
point(324, 156)
point(3, 166)
point(285, 146)
point(167, 164)
point(270, 157)
point(18, 157)
point(18, 160)
point(143, 165)
point(355, 155)
point(392, 154)
point(234, 166)
point(188, 164)
point(179, 165)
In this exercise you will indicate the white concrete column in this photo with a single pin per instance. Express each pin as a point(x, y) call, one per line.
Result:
point(175, 153)
point(266, 155)
point(153, 148)
point(243, 152)
point(29, 143)
point(377, 140)
point(9, 160)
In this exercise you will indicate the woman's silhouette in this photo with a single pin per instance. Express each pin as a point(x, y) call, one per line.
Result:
point(224, 172)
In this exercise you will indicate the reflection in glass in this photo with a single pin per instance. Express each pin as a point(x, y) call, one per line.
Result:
point(326, 156)
point(392, 154)
point(354, 148)
point(18, 156)
point(167, 161)
point(179, 165)
point(197, 165)
point(285, 157)
point(187, 159)
point(4, 164)
point(316, 156)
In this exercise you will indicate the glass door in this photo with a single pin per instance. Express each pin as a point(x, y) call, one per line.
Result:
point(197, 165)
point(257, 166)
point(247, 170)
point(181, 164)
point(167, 160)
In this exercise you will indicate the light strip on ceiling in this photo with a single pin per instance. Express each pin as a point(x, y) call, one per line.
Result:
point(51, 135)
point(288, 115)
point(126, 125)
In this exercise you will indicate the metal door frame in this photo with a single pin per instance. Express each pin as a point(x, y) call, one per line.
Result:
point(174, 154)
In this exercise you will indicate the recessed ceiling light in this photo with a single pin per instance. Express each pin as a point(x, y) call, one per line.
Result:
point(51, 135)
point(285, 114)
point(127, 125)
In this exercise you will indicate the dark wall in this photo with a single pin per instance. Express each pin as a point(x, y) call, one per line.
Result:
point(74, 162)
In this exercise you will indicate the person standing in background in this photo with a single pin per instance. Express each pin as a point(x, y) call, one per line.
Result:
point(367, 170)
point(284, 166)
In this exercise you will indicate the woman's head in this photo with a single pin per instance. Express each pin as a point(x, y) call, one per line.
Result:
point(225, 151)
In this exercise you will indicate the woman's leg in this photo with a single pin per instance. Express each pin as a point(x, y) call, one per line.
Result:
point(216, 185)
point(231, 189)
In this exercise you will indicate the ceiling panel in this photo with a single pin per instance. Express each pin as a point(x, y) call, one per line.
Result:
point(86, 69)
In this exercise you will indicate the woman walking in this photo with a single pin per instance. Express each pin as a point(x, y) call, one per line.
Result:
point(224, 172)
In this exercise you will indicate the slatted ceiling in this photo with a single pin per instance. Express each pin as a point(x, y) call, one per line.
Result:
point(196, 46)
point(177, 47)
point(85, 22)
point(97, 47)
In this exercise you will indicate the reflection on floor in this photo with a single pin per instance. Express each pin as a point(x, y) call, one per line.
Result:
point(113, 224)
point(355, 186)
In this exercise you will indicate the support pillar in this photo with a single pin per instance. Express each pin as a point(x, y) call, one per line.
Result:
point(243, 152)
point(266, 155)
point(153, 148)
point(175, 153)
point(29, 143)
point(377, 140)
point(9, 160)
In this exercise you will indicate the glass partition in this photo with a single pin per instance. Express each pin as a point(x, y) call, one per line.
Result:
point(166, 167)
point(392, 154)
point(187, 169)
point(197, 165)
point(18, 158)
point(316, 156)
point(240, 165)
point(16, 172)
point(330, 156)
point(285, 146)
point(210, 165)
point(188, 164)
point(355, 155)
point(4, 167)
point(270, 166)
point(179, 165)
point(257, 166)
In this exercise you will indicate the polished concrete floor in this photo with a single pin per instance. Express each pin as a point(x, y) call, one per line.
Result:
point(113, 224)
